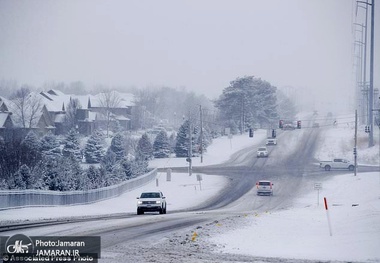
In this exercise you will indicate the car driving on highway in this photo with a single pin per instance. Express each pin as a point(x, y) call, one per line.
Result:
point(264, 187)
point(151, 201)
point(262, 152)
point(271, 141)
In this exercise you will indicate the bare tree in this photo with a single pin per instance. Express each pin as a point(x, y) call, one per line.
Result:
point(26, 107)
point(109, 100)
point(71, 112)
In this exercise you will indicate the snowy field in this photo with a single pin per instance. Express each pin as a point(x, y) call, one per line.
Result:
point(300, 232)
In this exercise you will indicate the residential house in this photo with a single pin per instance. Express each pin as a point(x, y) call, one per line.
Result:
point(91, 113)
point(12, 127)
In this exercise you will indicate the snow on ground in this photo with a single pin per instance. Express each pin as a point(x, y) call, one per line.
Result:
point(219, 151)
point(191, 194)
point(302, 231)
point(339, 143)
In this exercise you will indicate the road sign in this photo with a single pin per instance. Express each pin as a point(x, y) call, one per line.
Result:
point(318, 186)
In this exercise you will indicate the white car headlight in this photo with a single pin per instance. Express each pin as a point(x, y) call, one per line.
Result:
point(158, 202)
point(139, 202)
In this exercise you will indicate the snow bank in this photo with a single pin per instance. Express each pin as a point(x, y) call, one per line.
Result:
point(302, 231)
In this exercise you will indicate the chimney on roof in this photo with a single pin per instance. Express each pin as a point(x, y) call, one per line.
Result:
point(89, 103)
point(63, 106)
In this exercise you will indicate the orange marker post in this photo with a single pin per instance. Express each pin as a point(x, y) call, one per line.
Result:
point(328, 215)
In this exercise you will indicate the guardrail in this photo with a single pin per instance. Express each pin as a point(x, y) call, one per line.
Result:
point(10, 199)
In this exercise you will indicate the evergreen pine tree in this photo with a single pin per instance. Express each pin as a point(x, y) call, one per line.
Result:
point(172, 142)
point(117, 146)
point(68, 174)
point(94, 150)
point(30, 149)
point(182, 144)
point(109, 161)
point(26, 176)
point(23, 178)
point(93, 176)
point(144, 151)
point(50, 145)
point(71, 146)
point(161, 146)
point(127, 166)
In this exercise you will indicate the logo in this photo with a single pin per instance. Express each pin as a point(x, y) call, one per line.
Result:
point(19, 244)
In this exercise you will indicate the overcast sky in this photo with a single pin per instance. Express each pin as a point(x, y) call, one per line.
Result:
point(198, 44)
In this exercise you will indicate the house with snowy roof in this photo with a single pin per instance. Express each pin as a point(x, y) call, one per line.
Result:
point(113, 109)
point(15, 126)
point(5, 116)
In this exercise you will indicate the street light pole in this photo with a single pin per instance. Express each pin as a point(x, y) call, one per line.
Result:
point(370, 97)
point(370, 93)
point(362, 86)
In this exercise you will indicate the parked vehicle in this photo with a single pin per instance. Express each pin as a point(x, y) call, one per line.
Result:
point(153, 201)
point(262, 152)
point(264, 187)
point(337, 164)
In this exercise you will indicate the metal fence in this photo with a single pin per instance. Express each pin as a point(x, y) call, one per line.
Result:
point(27, 198)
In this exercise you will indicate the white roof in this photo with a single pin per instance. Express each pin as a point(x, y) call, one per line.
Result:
point(54, 100)
point(3, 118)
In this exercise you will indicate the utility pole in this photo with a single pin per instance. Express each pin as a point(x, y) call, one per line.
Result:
point(370, 98)
point(364, 90)
point(355, 143)
point(201, 146)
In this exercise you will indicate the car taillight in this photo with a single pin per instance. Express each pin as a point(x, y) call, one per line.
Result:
point(270, 185)
point(257, 185)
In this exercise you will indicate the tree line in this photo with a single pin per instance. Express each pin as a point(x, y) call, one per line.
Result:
point(56, 164)
point(50, 164)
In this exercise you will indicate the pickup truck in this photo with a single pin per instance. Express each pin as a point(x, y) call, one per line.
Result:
point(337, 164)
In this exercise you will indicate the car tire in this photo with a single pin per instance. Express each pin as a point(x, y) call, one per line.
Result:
point(351, 167)
point(161, 210)
point(139, 212)
point(327, 168)
point(165, 210)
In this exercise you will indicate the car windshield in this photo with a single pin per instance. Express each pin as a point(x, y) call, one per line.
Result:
point(150, 195)
point(262, 149)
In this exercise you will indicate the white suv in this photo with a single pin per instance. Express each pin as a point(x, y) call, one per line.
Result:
point(264, 187)
point(262, 152)
point(271, 141)
point(153, 201)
